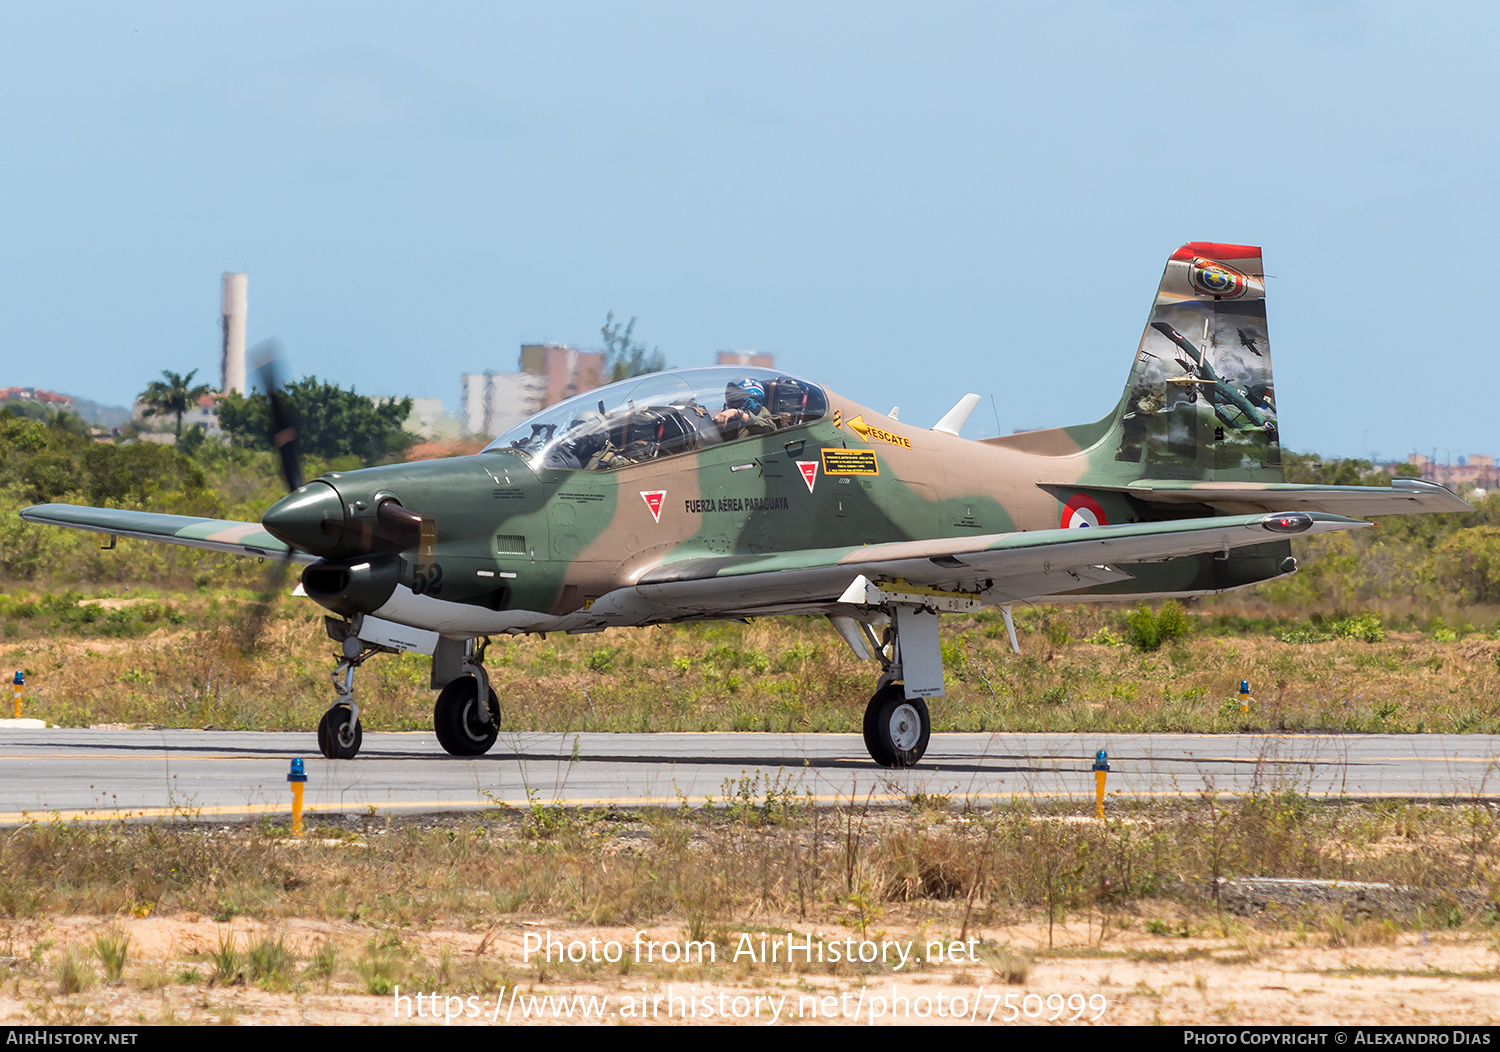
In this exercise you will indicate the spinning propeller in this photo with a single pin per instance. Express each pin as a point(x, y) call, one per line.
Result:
point(356, 532)
point(283, 434)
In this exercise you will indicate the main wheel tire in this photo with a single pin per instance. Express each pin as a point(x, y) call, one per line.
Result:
point(462, 728)
point(337, 740)
point(896, 729)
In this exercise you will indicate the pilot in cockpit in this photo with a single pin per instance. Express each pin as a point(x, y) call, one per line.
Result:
point(745, 411)
point(586, 444)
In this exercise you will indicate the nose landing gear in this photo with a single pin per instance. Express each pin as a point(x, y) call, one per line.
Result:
point(339, 732)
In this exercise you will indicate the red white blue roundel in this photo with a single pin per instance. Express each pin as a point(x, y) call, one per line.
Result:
point(1216, 279)
point(1081, 511)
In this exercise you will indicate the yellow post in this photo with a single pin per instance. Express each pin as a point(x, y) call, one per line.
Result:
point(1101, 768)
point(17, 684)
point(298, 778)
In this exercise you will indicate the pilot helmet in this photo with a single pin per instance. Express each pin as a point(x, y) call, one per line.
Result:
point(587, 433)
point(745, 391)
point(588, 420)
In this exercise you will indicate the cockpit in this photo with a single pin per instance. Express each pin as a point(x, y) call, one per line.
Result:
point(660, 415)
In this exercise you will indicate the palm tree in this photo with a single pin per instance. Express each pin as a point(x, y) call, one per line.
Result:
point(174, 397)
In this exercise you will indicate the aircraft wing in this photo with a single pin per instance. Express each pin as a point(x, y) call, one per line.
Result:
point(215, 535)
point(1404, 496)
point(999, 568)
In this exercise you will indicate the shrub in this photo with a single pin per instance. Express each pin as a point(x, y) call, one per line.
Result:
point(1147, 631)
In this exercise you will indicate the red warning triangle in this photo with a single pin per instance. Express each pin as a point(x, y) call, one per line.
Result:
point(809, 472)
point(654, 501)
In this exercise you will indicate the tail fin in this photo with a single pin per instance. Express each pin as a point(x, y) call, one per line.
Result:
point(1200, 403)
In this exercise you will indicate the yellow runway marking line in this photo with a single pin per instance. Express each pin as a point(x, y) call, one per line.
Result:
point(1294, 761)
point(135, 754)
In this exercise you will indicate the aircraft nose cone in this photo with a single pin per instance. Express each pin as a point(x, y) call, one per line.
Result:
point(298, 518)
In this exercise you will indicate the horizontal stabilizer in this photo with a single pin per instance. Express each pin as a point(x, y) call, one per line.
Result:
point(1404, 496)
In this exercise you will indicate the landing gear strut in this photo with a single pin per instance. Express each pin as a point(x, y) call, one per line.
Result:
point(339, 732)
point(897, 726)
point(464, 725)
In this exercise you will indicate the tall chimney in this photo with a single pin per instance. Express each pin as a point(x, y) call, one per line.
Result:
point(236, 304)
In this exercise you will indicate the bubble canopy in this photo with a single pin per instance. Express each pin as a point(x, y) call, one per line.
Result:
point(661, 414)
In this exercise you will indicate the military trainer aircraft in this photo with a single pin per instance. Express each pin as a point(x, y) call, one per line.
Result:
point(730, 493)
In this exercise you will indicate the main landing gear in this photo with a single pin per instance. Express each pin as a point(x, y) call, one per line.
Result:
point(464, 726)
point(897, 726)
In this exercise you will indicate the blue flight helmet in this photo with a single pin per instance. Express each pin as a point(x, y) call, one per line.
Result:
point(745, 393)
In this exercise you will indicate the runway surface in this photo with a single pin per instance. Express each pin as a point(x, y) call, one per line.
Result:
point(102, 775)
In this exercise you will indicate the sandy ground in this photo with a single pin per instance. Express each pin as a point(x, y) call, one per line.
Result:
point(1252, 977)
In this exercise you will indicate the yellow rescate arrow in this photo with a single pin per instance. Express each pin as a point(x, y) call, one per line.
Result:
point(867, 432)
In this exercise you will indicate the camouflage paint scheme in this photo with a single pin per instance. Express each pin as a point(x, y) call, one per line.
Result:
point(1165, 496)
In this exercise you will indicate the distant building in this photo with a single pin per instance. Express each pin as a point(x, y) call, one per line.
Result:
point(567, 370)
point(492, 403)
point(1476, 470)
point(430, 420)
point(204, 413)
point(50, 399)
point(749, 359)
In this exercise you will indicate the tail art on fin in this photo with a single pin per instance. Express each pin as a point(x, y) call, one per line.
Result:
point(1200, 403)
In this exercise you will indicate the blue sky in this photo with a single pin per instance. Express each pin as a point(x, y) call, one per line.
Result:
point(905, 202)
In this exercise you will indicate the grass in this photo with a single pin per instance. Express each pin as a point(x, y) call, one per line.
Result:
point(382, 966)
point(75, 974)
point(755, 851)
point(177, 663)
point(112, 946)
point(226, 962)
point(270, 963)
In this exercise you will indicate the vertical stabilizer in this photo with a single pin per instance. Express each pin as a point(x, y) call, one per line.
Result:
point(1200, 403)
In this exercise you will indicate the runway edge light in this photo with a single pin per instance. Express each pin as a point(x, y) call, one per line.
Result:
point(298, 777)
point(1101, 768)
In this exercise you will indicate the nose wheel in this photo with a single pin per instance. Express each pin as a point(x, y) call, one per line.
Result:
point(339, 733)
point(896, 728)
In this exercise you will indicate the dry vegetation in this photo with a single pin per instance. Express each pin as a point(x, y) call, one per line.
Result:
point(182, 922)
